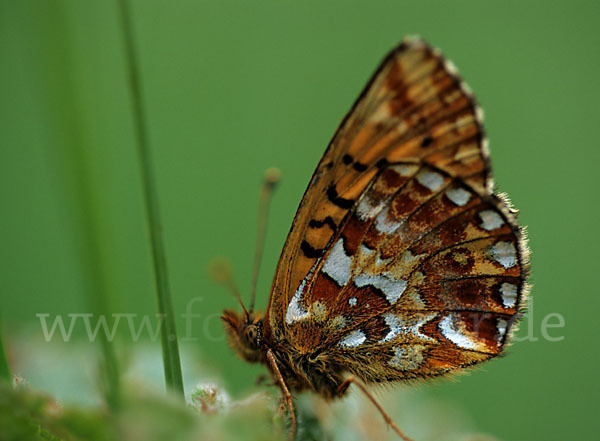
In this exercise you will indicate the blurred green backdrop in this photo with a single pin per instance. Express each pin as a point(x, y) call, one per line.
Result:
point(233, 87)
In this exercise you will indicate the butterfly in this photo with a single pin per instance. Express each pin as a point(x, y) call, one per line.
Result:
point(401, 263)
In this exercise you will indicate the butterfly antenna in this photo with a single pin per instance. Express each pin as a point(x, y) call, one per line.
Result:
point(271, 178)
point(220, 271)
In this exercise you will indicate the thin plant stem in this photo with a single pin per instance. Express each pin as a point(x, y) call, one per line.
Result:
point(168, 336)
point(4, 366)
point(91, 237)
point(271, 178)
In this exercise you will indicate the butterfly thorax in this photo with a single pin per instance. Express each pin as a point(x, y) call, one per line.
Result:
point(310, 371)
point(306, 371)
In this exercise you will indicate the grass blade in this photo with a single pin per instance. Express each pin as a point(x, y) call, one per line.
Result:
point(170, 348)
point(4, 367)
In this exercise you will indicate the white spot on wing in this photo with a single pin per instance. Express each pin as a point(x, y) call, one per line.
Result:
point(384, 224)
point(458, 195)
point(466, 89)
point(355, 338)
point(337, 265)
point(405, 169)
point(509, 294)
point(490, 220)
point(407, 357)
point(452, 332)
point(505, 254)
point(366, 210)
point(352, 301)
point(365, 251)
point(408, 259)
point(295, 311)
point(501, 325)
point(479, 115)
point(451, 67)
point(392, 289)
point(398, 326)
point(395, 325)
point(339, 322)
point(399, 356)
point(318, 311)
point(431, 180)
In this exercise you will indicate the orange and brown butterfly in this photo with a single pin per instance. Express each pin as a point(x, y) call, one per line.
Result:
point(401, 263)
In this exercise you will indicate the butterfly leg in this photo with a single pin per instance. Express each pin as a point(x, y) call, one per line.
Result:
point(287, 396)
point(344, 386)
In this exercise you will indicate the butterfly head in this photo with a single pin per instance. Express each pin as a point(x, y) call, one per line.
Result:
point(244, 333)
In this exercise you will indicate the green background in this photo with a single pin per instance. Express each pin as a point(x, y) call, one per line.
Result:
point(231, 88)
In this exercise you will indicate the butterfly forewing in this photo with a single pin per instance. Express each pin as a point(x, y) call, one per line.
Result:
point(399, 255)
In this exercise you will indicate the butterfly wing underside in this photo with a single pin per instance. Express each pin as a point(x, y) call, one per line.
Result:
point(400, 262)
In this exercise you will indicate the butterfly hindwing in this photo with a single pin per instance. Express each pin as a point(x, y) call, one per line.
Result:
point(452, 293)
point(423, 260)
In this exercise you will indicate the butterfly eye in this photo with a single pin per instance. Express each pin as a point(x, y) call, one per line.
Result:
point(251, 336)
